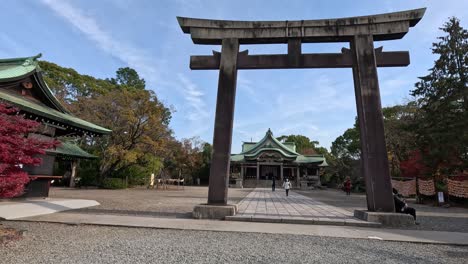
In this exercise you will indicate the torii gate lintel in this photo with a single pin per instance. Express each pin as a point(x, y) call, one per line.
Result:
point(297, 60)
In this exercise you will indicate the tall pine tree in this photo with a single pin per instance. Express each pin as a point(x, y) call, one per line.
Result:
point(443, 98)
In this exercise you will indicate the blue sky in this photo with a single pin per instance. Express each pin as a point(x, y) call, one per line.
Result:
point(97, 37)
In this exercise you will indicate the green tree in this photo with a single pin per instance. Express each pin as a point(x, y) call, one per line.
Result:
point(306, 146)
point(192, 158)
point(400, 136)
point(443, 98)
point(139, 124)
point(138, 145)
point(207, 152)
point(203, 172)
point(189, 158)
point(303, 144)
point(348, 145)
point(346, 153)
point(68, 85)
point(128, 78)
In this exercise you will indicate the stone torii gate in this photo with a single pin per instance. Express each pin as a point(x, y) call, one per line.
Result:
point(360, 32)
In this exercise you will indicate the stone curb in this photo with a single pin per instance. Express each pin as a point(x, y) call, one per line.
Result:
point(302, 221)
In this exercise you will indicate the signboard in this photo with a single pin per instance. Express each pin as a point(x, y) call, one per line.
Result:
point(152, 180)
point(441, 197)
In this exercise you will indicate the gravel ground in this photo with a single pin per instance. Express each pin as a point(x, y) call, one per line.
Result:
point(453, 219)
point(145, 202)
point(56, 243)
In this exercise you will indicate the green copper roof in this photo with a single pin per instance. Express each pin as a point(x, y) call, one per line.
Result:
point(18, 68)
point(290, 145)
point(42, 110)
point(301, 159)
point(246, 146)
point(237, 157)
point(11, 69)
point(71, 150)
point(319, 159)
point(260, 150)
point(269, 141)
point(270, 144)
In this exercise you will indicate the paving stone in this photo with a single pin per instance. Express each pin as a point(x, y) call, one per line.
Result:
point(263, 205)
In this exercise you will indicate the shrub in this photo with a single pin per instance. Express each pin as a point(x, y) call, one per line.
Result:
point(88, 173)
point(113, 183)
point(359, 185)
point(88, 177)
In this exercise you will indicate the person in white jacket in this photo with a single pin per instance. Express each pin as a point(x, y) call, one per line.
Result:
point(287, 186)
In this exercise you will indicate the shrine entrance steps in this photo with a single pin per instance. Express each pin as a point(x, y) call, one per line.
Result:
point(253, 183)
point(263, 205)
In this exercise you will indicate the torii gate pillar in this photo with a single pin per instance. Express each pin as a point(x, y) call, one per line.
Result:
point(374, 159)
point(222, 137)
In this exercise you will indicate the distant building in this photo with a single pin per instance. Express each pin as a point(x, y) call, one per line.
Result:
point(22, 86)
point(260, 161)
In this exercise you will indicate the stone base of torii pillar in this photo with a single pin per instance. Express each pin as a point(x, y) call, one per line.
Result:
point(208, 211)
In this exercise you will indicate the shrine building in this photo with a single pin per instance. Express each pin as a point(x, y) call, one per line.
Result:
point(22, 86)
point(260, 161)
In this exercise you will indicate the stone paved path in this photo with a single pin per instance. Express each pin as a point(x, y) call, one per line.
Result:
point(263, 205)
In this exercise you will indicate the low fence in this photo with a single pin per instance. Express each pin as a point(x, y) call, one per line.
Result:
point(426, 187)
point(411, 187)
point(405, 188)
point(458, 188)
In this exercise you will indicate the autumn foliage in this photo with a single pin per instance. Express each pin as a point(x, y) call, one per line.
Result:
point(413, 166)
point(16, 150)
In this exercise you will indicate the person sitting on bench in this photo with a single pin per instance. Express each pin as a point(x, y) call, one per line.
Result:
point(402, 207)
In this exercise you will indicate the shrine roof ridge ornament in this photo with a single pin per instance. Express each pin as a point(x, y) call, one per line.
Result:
point(386, 26)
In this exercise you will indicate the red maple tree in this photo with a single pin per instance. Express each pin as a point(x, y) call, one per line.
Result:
point(413, 166)
point(17, 150)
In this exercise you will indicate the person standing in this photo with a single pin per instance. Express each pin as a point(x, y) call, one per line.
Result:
point(273, 183)
point(287, 186)
point(347, 185)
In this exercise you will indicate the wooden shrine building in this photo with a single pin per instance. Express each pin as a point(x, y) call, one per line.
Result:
point(269, 158)
point(22, 86)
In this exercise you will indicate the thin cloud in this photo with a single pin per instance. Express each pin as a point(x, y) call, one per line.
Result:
point(11, 46)
point(307, 128)
point(194, 98)
point(187, 5)
point(246, 85)
point(394, 86)
point(103, 39)
point(134, 57)
point(300, 110)
point(328, 95)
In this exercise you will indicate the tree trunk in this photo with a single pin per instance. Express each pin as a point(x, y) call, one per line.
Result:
point(74, 165)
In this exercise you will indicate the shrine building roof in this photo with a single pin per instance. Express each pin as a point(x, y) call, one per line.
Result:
point(14, 71)
point(269, 145)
